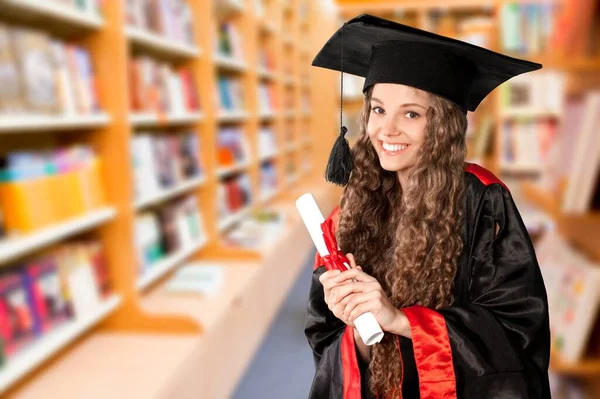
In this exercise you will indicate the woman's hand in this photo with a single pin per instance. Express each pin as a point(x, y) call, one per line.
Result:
point(355, 293)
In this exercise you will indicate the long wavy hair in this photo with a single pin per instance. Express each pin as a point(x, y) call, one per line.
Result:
point(409, 238)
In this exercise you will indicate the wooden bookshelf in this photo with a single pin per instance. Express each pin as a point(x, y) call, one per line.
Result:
point(134, 311)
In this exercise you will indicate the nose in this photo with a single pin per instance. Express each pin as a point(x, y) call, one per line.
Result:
point(389, 128)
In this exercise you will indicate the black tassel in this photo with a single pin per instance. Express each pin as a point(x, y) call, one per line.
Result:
point(340, 162)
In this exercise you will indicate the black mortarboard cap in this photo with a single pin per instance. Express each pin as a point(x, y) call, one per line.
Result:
point(384, 51)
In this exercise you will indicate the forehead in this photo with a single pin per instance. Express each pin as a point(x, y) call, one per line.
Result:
point(398, 93)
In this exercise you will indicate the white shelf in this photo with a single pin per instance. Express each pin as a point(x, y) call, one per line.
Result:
point(170, 193)
point(11, 248)
point(230, 220)
point(229, 7)
point(41, 350)
point(222, 172)
point(149, 119)
point(156, 42)
point(269, 156)
point(232, 116)
point(55, 11)
point(266, 74)
point(230, 63)
point(531, 113)
point(162, 267)
point(267, 115)
point(290, 81)
point(38, 123)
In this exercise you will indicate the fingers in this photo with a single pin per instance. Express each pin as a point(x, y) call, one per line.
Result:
point(352, 301)
point(356, 274)
point(372, 305)
point(329, 274)
point(338, 293)
point(352, 260)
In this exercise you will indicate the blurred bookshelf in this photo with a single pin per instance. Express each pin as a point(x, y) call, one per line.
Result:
point(140, 122)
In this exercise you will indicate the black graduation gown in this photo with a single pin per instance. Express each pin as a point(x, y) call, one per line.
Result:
point(493, 342)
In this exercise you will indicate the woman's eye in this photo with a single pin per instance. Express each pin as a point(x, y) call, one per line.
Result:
point(412, 115)
point(377, 110)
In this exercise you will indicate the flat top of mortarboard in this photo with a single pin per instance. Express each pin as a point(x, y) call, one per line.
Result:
point(361, 33)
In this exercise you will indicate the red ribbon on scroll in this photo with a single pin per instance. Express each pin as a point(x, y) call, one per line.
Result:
point(336, 259)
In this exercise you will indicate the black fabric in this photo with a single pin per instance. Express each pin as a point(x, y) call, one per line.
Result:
point(456, 70)
point(498, 325)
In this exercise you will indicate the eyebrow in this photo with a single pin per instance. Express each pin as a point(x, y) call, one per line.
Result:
point(403, 105)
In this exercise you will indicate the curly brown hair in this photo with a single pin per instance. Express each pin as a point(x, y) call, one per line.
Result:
point(421, 222)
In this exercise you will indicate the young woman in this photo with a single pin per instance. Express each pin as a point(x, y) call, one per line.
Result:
point(439, 251)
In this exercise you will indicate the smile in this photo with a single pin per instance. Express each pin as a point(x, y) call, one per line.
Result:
point(393, 149)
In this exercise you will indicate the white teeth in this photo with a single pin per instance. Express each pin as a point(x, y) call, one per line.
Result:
point(393, 147)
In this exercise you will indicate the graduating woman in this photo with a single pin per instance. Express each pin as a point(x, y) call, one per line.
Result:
point(440, 255)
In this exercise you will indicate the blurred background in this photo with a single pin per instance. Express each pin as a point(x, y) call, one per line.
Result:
point(151, 152)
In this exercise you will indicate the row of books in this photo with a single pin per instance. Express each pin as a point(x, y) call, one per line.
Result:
point(542, 91)
point(230, 94)
point(267, 143)
point(528, 28)
point(40, 294)
point(573, 297)
point(162, 161)
point(33, 184)
point(166, 230)
point(158, 87)
point(233, 195)
point(266, 98)
point(232, 146)
point(268, 177)
point(44, 75)
point(261, 227)
point(526, 143)
point(228, 41)
point(171, 19)
point(266, 60)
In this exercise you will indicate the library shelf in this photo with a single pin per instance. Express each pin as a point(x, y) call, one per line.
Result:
point(234, 218)
point(268, 195)
point(233, 116)
point(172, 192)
point(50, 344)
point(39, 123)
point(269, 156)
point(266, 74)
point(515, 167)
point(230, 63)
point(230, 170)
point(528, 113)
point(147, 119)
point(290, 114)
point(156, 43)
point(53, 10)
point(165, 265)
point(585, 367)
point(14, 247)
point(226, 8)
point(267, 115)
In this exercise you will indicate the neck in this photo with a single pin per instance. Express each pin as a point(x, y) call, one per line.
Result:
point(402, 178)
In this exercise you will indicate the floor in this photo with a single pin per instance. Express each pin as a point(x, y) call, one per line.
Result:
point(283, 366)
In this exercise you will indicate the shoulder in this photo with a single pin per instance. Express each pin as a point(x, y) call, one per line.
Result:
point(478, 177)
point(335, 215)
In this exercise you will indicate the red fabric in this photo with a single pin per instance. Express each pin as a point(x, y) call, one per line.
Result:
point(351, 372)
point(334, 216)
point(484, 175)
point(336, 259)
point(433, 354)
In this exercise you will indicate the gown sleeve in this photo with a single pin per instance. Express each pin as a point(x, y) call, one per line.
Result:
point(496, 344)
point(337, 371)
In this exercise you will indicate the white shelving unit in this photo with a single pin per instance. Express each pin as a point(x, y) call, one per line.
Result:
point(267, 115)
point(230, 220)
point(54, 10)
point(266, 74)
point(41, 350)
point(268, 195)
point(520, 113)
point(170, 193)
point(42, 123)
point(155, 42)
point(11, 248)
point(149, 120)
point(167, 264)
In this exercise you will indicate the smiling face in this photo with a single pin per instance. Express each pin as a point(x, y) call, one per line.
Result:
point(396, 125)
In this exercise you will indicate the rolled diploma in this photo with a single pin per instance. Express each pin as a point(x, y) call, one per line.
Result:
point(366, 324)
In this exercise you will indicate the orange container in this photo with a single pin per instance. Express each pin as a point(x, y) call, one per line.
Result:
point(27, 205)
point(91, 185)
